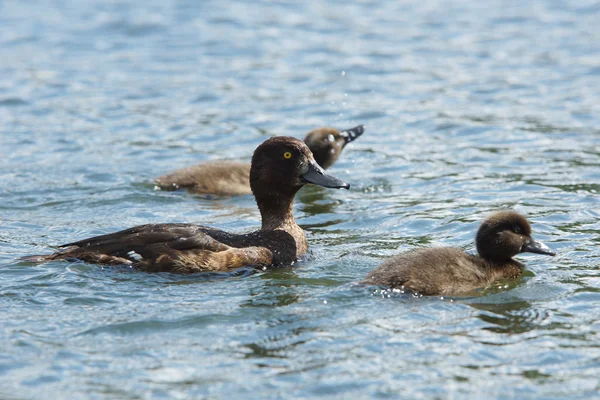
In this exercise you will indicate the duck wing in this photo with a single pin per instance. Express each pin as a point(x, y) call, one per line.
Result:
point(181, 236)
point(182, 248)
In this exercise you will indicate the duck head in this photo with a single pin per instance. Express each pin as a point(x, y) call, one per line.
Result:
point(327, 144)
point(282, 165)
point(505, 234)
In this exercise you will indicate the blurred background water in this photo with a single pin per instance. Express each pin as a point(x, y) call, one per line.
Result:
point(468, 107)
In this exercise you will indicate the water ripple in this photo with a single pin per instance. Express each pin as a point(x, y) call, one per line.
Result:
point(469, 107)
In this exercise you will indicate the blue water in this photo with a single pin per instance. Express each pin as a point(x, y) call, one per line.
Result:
point(468, 107)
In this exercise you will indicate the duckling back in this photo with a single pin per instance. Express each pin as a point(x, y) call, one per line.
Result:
point(221, 178)
point(434, 271)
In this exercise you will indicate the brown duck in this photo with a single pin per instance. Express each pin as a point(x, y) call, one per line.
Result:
point(280, 167)
point(230, 178)
point(451, 271)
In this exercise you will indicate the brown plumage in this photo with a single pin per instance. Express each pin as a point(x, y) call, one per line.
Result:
point(221, 178)
point(280, 167)
point(451, 271)
point(327, 143)
point(231, 178)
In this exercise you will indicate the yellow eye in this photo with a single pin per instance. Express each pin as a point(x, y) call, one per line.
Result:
point(287, 155)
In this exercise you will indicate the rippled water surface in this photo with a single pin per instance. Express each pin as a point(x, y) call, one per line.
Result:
point(468, 107)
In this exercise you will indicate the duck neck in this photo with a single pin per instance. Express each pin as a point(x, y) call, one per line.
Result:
point(276, 211)
point(505, 268)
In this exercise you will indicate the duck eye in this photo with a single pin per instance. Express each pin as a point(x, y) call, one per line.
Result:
point(517, 229)
point(287, 155)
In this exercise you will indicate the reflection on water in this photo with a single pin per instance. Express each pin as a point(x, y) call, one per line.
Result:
point(315, 201)
point(510, 318)
point(275, 292)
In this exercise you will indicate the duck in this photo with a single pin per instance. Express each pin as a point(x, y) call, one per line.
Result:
point(231, 178)
point(280, 167)
point(444, 271)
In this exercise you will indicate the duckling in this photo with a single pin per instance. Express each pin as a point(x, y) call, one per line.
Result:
point(451, 271)
point(280, 167)
point(230, 178)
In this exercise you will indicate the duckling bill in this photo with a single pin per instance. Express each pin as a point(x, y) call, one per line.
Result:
point(280, 167)
point(231, 178)
point(451, 271)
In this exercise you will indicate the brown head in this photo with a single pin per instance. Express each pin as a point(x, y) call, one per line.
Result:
point(327, 144)
point(282, 165)
point(505, 234)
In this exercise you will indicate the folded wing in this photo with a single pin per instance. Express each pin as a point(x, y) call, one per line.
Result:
point(179, 248)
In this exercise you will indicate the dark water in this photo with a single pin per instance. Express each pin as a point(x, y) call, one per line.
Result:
point(469, 107)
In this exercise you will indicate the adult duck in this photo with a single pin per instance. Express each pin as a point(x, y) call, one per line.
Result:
point(280, 167)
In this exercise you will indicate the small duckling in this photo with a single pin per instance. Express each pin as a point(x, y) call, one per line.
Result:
point(451, 271)
point(280, 167)
point(230, 178)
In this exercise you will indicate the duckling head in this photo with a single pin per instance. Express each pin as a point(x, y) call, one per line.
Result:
point(327, 144)
point(505, 234)
point(282, 165)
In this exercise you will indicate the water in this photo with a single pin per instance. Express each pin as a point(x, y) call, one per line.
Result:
point(469, 107)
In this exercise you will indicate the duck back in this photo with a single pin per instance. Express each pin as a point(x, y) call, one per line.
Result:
point(221, 178)
point(185, 248)
point(438, 271)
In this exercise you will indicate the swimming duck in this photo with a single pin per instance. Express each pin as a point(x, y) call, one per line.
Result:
point(230, 178)
point(451, 271)
point(280, 167)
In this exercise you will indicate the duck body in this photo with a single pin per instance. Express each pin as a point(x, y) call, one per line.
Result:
point(231, 178)
point(280, 167)
point(188, 248)
point(221, 178)
point(440, 271)
point(451, 271)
